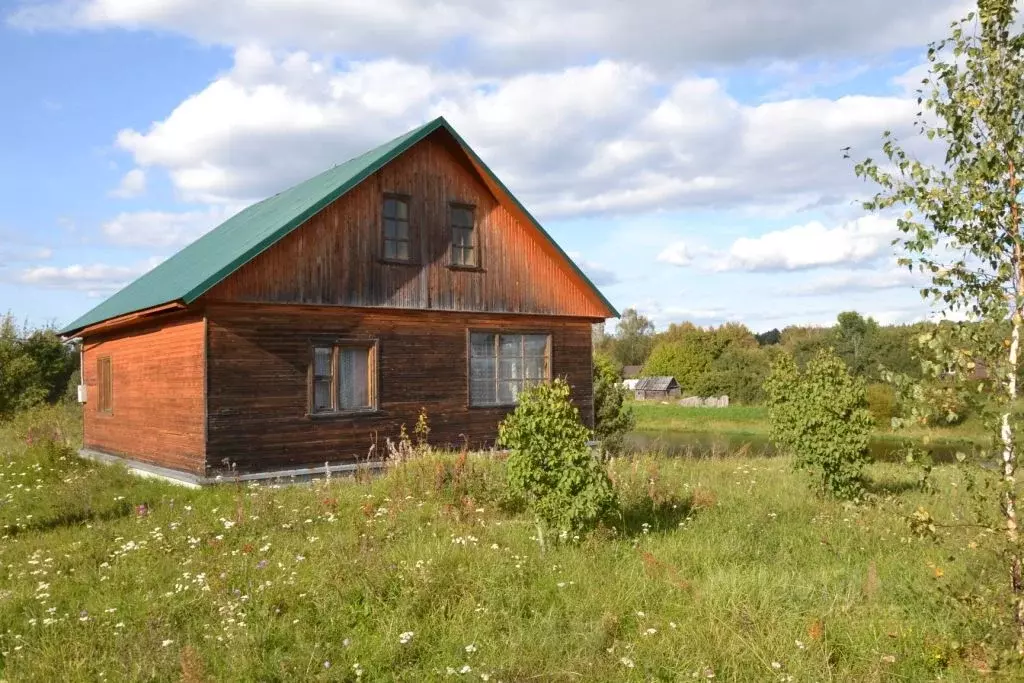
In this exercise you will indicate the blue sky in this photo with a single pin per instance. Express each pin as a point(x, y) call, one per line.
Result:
point(686, 154)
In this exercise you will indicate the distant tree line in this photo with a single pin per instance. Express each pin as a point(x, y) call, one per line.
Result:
point(35, 367)
point(734, 361)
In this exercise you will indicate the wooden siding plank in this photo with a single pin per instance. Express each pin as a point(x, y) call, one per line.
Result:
point(158, 385)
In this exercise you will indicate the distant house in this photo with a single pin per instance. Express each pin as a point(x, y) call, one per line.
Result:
point(631, 371)
point(314, 324)
point(657, 388)
point(631, 376)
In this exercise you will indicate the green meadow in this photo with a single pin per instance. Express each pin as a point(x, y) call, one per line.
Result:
point(727, 568)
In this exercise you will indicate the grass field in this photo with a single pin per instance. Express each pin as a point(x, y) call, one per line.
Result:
point(726, 567)
point(753, 421)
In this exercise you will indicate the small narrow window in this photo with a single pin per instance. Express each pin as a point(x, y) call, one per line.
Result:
point(502, 365)
point(397, 241)
point(463, 243)
point(342, 377)
point(104, 385)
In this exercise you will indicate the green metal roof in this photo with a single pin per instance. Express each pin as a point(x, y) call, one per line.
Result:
point(202, 264)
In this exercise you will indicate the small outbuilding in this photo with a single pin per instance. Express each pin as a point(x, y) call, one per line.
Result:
point(657, 388)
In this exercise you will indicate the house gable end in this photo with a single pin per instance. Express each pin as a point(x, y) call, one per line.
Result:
point(338, 257)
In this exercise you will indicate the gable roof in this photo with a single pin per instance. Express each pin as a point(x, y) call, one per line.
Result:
point(657, 384)
point(194, 270)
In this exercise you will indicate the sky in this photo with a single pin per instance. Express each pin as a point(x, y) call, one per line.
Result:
point(687, 154)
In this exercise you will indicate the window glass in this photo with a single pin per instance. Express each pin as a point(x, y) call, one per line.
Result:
point(397, 240)
point(342, 378)
point(355, 378)
point(463, 252)
point(502, 365)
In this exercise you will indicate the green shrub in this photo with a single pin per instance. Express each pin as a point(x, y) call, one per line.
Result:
point(687, 359)
point(739, 373)
point(820, 415)
point(35, 367)
point(551, 466)
point(613, 418)
point(882, 403)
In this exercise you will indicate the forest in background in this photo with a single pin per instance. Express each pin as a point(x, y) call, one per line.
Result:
point(734, 361)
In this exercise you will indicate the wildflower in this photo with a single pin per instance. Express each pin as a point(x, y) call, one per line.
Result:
point(889, 659)
point(627, 662)
point(650, 631)
point(672, 624)
point(166, 643)
point(346, 642)
point(800, 644)
point(485, 677)
point(641, 614)
point(262, 564)
point(405, 637)
point(471, 648)
point(358, 669)
point(141, 510)
point(327, 665)
point(465, 669)
point(776, 665)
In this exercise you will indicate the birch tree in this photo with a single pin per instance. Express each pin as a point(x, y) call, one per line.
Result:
point(962, 220)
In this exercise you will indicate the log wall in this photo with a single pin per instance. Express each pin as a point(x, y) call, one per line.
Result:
point(259, 359)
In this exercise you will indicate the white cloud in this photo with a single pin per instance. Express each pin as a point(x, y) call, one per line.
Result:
point(606, 138)
point(164, 228)
point(676, 254)
point(598, 274)
point(526, 33)
point(94, 279)
point(860, 281)
point(812, 246)
point(132, 184)
point(16, 253)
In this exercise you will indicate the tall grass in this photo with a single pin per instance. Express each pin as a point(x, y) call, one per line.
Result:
point(723, 567)
point(753, 421)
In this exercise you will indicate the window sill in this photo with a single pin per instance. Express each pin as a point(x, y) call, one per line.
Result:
point(491, 406)
point(397, 262)
point(470, 269)
point(345, 414)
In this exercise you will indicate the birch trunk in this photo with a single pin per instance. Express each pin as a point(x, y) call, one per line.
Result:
point(1010, 493)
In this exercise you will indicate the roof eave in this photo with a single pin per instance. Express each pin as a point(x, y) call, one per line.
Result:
point(121, 320)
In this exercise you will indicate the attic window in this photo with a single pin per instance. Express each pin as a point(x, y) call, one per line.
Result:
point(397, 242)
point(343, 377)
point(502, 365)
point(463, 242)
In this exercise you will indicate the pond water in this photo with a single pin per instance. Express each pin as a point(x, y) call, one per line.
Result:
point(710, 444)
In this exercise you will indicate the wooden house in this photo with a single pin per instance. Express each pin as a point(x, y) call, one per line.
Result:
point(657, 388)
point(314, 324)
